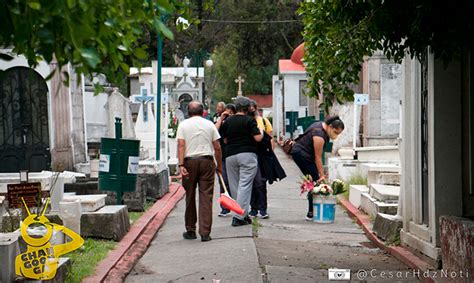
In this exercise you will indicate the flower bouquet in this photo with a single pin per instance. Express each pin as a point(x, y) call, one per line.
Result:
point(324, 197)
point(307, 184)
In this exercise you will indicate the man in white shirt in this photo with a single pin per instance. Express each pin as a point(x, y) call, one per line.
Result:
point(198, 146)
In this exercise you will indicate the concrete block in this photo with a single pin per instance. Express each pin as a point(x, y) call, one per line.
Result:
point(88, 202)
point(9, 249)
point(355, 193)
point(387, 227)
point(457, 244)
point(389, 179)
point(109, 222)
point(155, 185)
point(385, 193)
point(371, 206)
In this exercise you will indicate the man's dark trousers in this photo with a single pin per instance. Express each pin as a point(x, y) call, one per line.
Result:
point(201, 174)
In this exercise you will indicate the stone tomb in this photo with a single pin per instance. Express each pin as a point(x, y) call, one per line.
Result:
point(152, 184)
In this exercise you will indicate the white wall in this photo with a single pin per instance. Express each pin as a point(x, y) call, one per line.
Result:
point(346, 113)
point(291, 84)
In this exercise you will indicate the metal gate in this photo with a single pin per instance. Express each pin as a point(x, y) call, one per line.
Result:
point(24, 134)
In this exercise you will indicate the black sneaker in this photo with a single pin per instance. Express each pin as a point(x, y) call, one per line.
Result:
point(264, 214)
point(205, 238)
point(237, 222)
point(190, 235)
point(224, 212)
point(253, 213)
point(248, 220)
point(309, 216)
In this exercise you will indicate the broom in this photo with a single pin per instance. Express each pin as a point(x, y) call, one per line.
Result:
point(226, 201)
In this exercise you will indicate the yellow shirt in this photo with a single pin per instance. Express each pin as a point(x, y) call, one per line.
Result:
point(267, 127)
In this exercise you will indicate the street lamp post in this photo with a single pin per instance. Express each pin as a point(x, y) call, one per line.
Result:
point(198, 56)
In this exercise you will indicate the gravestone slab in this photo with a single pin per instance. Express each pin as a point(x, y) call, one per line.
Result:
point(387, 226)
point(135, 201)
point(389, 179)
point(109, 222)
point(9, 249)
point(88, 202)
point(153, 178)
point(385, 193)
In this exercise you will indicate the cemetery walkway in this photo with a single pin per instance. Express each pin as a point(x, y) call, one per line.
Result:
point(283, 248)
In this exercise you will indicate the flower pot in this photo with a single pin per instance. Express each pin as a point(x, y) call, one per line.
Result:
point(324, 208)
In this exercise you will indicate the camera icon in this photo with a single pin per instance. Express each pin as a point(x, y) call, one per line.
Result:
point(339, 274)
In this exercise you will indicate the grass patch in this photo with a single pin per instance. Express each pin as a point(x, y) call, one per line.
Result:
point(394, 241)
point(135, 215)
point(355, 179)
point(255, 225)
point(85, 259)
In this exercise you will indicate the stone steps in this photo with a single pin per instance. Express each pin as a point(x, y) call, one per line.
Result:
point(372, 206)
point(385, 193)
point(355, 193)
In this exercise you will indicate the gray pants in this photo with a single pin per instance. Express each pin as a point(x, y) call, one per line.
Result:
point(241, 170)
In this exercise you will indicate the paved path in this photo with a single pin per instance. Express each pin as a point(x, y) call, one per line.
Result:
point(283, 248)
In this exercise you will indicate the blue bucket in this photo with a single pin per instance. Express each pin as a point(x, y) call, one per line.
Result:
point(324, 209)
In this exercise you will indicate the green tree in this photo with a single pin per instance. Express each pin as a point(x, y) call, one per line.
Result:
point(94, 36)
point(339, 33)
point(246, 29)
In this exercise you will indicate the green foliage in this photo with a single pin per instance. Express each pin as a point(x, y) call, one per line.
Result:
point(94, 36)
point(355, 179)
point(248, 49)
point(338, 187)
point(339, 33)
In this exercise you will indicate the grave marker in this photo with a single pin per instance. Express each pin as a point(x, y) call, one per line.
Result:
point(30, 192)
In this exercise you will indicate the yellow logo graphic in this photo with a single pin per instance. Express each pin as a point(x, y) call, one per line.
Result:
point(40, 260)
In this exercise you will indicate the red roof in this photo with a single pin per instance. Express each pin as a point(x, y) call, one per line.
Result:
point(263, 100)
point(295, 64)
point(286, 66)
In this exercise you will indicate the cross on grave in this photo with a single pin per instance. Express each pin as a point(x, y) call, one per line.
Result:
point(239, 80)
point(144, 99)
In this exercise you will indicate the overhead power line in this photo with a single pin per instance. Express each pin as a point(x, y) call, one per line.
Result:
point(249, 22)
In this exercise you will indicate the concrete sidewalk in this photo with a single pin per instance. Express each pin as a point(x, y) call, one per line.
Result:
point(283, 248)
